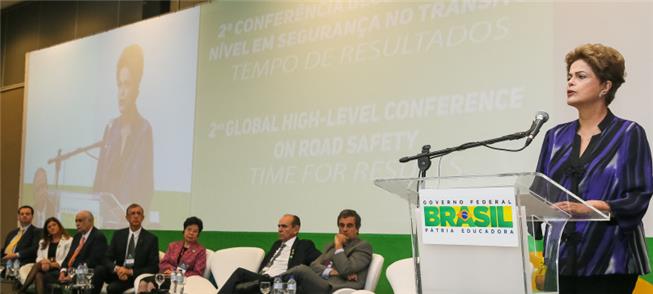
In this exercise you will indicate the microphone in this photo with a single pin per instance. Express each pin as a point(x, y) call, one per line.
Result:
point(540, 118)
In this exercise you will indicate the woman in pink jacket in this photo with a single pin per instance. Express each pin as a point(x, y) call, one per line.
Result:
point(186, 254)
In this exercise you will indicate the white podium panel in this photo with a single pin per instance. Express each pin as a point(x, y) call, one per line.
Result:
point(470, 234)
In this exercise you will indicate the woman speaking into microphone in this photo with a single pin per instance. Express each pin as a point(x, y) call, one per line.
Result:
point(606, 161)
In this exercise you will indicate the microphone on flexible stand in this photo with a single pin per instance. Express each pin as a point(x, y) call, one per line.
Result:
point(540, 118)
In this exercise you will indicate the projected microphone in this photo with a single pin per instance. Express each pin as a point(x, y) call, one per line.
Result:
point(540, 118)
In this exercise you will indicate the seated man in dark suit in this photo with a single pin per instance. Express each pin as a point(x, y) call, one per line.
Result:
point(343, 264)
point(133, 251)
point(22, 242)
point(89, 246)
point(287, 252)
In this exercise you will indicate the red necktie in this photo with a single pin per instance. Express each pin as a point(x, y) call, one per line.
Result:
point(77, 250)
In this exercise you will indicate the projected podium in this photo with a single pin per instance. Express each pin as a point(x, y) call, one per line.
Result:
point(470, 233)
point(108, 211)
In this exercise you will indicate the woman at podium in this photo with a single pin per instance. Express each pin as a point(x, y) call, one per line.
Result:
point(606, 161)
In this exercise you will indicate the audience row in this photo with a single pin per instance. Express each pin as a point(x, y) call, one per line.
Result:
point(134, 251)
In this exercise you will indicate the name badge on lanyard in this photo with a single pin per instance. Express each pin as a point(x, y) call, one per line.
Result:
point(129, 262)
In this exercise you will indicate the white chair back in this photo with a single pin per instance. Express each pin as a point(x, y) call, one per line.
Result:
point(207, 271)
point(198, 285)
point(225, 261)
point(23, 271)
point(138, 279)
point(401, 275)
point(374, 272)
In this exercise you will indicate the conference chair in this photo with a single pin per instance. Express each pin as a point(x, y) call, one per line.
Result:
point(373, 274)
point(401, 275)
point(198, 285)
point(225, 261)
point(23, 271)
point(143, 276)
point(206, 274)
point(207, 271)
point(139, 278)
point(192, 284)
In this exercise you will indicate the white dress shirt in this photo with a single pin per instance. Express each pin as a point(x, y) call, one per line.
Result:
point(136, 234)
point(280, 264)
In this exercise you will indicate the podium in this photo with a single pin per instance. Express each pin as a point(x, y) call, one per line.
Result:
point(470, 234)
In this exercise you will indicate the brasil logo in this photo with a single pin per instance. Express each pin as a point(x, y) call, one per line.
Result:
point(468, 216)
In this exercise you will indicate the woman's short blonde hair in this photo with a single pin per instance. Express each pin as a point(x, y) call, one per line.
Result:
point(606, 62)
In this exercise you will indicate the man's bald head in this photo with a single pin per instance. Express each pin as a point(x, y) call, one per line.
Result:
point(84, 221)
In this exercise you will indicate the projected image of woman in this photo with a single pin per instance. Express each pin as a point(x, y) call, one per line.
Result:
point(125, 166)
point(605, 160)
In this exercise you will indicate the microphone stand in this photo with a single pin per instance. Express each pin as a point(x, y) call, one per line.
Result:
point(61, 157)
point(424, 158)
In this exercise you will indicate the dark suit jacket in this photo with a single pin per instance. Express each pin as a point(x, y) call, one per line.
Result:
point(27, 245)
point(146, 253)
point(93, 251)
point(302, 252)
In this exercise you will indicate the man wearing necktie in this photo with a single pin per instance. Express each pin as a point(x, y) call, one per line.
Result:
point(88, 246)
point(287, 252)
point(21, 243)
point(133, 251)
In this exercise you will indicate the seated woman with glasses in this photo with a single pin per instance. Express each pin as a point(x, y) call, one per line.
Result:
point(187, 255)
